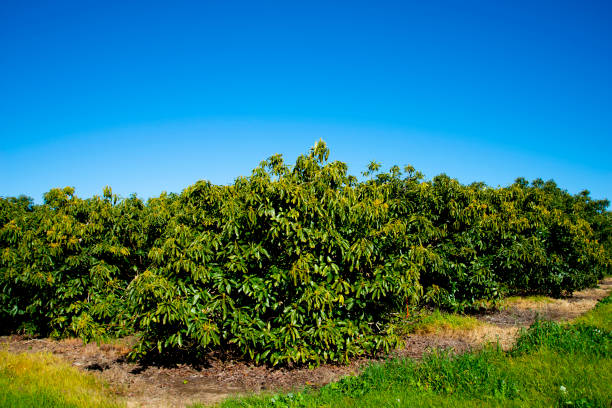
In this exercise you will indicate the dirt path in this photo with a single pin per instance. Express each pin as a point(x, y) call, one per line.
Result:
point(184, 384)
point(504, 325)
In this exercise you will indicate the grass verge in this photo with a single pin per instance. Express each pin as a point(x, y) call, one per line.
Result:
point(43, 380)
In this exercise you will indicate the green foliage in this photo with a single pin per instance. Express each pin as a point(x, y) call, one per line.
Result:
point(66, 264)
point(291, 265)
point(294, 264)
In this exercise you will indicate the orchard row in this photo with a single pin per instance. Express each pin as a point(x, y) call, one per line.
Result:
point(293, 264)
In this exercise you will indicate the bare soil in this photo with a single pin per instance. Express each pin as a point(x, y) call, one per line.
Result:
point(181, 385)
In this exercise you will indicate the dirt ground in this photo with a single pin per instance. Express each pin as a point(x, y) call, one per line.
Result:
point(152, 386)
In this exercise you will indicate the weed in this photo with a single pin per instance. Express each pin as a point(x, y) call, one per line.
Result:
point(43, 380)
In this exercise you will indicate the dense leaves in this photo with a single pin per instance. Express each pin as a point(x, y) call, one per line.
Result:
point(293, 264)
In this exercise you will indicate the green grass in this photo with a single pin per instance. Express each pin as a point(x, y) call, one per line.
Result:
point(599, 316)
point(552, 365)
point(43, 380)
point(528, 299)
point(435, 321)
point(439, 321)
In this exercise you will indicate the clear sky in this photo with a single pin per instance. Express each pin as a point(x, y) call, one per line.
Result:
point(153, 96)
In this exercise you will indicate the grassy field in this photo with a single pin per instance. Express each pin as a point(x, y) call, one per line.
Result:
point(43, 380)
point(564, 365)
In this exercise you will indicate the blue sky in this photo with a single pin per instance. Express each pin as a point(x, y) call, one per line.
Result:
point(152, 96)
